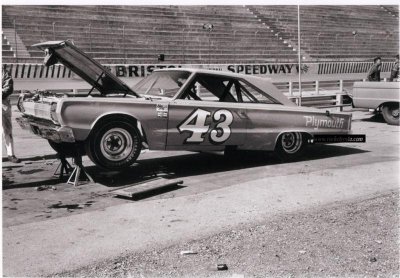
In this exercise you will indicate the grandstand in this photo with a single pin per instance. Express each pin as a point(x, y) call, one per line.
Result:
point(240, 34)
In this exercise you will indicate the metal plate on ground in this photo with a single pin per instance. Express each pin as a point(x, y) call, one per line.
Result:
point(145, 187)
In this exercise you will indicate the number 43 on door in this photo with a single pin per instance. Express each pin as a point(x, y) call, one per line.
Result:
point(195, 123)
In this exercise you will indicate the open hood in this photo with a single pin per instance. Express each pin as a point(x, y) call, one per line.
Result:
point(66, 53)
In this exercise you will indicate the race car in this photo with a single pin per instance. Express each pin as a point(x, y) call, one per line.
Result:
point(171, 109)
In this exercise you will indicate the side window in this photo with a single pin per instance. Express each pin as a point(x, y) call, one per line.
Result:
point(208, 87)
point(251, 94)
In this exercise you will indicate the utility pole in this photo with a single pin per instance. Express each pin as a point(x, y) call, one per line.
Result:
point(299, 49)
point(15, 38)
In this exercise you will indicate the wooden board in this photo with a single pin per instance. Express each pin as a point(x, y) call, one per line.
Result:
point(146, 186)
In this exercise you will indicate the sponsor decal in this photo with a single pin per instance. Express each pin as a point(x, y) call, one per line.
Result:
point(162, 111)
point(316, 122)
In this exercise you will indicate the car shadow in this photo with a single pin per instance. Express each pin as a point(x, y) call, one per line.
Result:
point(204, 163)
point(34, 158)
point(192, 164)
point(375, 118)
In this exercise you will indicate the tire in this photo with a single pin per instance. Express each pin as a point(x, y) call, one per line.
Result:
point(68, 149)
point(390, 112)
point(114, 145)
point(290, 145)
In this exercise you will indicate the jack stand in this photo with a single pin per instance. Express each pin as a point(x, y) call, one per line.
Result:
point(79, 173)
point(63, 168)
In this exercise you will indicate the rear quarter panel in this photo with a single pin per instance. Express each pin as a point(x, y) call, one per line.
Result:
point(267, 122)
point(372, 94)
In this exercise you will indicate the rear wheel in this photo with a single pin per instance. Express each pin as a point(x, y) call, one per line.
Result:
point(114, 145)
point(390, 113)
point(290, 145)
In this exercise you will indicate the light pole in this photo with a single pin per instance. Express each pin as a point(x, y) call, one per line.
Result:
point(255, 41)
point(123, 42)
point(208, 27)
point(234, 45)
point(155, 41)
point(15, 38)
point(90, 37)
point(54, 31)
point(298, 41)
point(183, 45)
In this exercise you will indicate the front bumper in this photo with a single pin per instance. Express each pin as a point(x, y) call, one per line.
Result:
point(47, 130)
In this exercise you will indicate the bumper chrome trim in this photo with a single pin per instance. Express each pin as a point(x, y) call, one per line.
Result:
point(47, 130)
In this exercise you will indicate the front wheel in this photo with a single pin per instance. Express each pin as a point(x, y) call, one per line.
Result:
point(390, 113)
point(290, 145)
point(114, 145)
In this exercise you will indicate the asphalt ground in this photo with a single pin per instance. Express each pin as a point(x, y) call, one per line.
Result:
point(64, 228)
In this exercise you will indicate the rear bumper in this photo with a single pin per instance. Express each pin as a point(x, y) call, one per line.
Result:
point(47, 130)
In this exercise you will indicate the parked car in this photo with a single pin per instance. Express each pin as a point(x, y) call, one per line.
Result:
point(381, 96)
point(171, 109)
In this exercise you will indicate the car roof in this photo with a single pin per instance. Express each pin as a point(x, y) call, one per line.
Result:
point(216, 72)
point(263, 83)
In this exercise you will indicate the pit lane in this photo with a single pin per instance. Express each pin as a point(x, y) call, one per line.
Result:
point(200, 172)
point(50, 226)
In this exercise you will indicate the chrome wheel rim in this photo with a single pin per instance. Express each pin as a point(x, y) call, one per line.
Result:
point(116, 144)
point(291, 142)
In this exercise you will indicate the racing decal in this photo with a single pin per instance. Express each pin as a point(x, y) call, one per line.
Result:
point(316, 122)
point(196, 125)
point(222, 130)
point(162, 111)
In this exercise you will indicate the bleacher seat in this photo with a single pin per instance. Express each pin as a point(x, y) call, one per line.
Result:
point(241, 34)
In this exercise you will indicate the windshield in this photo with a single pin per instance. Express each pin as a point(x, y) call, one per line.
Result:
point(162, 83)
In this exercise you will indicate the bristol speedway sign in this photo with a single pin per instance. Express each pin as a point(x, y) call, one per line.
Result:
point(253, 69)
point(37, 71)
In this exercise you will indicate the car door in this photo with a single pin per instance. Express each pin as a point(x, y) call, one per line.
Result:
point(201, 119)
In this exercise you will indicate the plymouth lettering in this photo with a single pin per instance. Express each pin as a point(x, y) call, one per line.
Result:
point(334, 122)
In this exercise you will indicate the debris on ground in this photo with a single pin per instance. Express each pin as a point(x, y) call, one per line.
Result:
point(188, 252)
point(272, 252)
point(45, 187)
point(221, 267)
